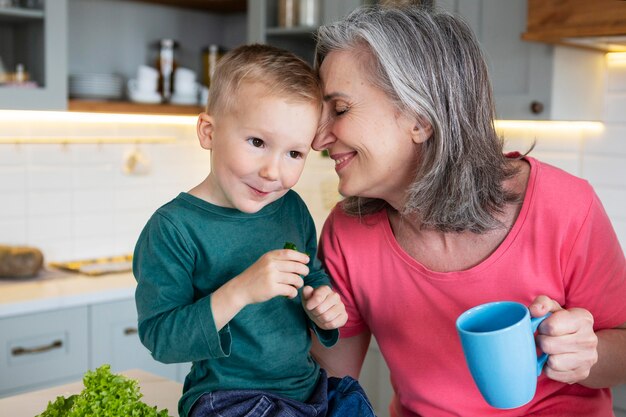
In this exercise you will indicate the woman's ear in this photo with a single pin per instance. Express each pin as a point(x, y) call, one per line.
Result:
point(421, 132)
point(205, 128)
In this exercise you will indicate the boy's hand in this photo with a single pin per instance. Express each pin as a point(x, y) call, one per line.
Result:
point(324, 307)
point(275, 273)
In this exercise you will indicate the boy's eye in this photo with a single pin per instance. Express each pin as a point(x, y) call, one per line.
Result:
point(295, 154)
point(256, 142)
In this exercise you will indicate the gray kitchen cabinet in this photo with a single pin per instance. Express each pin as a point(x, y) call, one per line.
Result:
point(532, 81)
point(36, 39)
point(43, 349)
point(114, 340)
point(263, 25)
point(619, 400)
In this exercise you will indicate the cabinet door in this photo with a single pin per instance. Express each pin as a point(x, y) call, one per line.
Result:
point(114, 340)
point(521, 71)
point(38, 40)
point(42, 349)
point(619, 400)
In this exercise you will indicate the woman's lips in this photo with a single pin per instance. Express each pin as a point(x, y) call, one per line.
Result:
point(342, 159)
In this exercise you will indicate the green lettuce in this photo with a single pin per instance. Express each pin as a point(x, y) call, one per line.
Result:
point(105, 395)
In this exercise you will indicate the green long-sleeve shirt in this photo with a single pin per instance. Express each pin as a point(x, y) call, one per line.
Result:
point(187, 250)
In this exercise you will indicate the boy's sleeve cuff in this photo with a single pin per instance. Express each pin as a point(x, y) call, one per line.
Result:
point(327, 338)
point(219, 343)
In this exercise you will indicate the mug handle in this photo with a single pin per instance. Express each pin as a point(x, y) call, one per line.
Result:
point(541, 359)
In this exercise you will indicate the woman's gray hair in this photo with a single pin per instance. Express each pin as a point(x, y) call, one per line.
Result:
point(430, 65)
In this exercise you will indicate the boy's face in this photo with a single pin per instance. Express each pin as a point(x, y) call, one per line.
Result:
point(258, 148)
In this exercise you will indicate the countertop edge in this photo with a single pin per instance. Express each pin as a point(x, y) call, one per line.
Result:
point(66, 291)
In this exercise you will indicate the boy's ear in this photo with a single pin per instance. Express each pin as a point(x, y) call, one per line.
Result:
point(421, 131)
point(205, 128)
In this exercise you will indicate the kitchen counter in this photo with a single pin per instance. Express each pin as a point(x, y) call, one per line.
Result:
point(156, 391)
point(54, 289)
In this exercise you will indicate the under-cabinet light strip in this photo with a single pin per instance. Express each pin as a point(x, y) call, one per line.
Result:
point(66, 140)
point(80, 117)
point(550, 125)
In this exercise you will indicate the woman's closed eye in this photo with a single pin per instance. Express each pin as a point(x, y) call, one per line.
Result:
point(256, 142)
point(339, 110)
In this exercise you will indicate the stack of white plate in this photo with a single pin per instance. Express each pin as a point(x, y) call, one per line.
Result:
point(96, 86)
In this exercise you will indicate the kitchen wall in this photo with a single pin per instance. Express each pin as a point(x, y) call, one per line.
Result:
point(75, 201)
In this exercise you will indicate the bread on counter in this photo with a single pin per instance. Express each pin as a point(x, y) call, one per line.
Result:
point(19, 261)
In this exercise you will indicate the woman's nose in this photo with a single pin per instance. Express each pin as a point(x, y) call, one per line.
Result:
point(324, 137)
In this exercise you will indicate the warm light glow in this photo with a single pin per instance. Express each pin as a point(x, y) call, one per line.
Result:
point(63, 140)
point(549, 125)
point(78, 117)
point(616, 58)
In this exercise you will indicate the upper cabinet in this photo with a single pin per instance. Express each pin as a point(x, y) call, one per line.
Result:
point(598, 24)
point(291, 24)
point(532, 81)
point(33, 52)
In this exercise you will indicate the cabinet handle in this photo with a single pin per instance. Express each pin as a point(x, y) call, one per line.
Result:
point(39, 349)
point(130, 330)
point(536, 107)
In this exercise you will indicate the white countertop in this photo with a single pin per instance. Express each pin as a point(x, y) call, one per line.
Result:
point(157, 391)
point(55, 289)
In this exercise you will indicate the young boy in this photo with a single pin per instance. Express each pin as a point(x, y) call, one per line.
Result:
point(215, 285)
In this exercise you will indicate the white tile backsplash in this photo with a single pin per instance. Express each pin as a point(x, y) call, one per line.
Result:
point(614, 201)
point(604, 170)
point(13, 205)
point(612, 141)
point(615, 108)
point(616, 78)
point(12, 178)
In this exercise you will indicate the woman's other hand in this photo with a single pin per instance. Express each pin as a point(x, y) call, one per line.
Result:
point(567, 336)
point(324, 307)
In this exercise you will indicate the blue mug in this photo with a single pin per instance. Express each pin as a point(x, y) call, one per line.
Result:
point(499, 346)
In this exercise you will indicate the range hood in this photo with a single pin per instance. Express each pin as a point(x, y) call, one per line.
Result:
point(595, 24)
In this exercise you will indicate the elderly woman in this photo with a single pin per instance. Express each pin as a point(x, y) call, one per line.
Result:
point(437, 220)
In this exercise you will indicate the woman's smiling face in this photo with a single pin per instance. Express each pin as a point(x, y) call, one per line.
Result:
point(371, 142)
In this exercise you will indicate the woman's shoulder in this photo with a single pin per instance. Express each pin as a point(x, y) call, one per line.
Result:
point(560, 183)
point(554, 190)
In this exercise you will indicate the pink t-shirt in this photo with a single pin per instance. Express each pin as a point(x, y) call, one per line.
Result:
point(561, 245)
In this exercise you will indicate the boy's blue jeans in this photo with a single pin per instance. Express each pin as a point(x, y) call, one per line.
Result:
point(333, 397)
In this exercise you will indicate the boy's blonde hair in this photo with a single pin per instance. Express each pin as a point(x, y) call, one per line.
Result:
point(284, 74)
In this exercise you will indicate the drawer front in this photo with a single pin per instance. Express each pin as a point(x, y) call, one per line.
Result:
point(43, 348)
point(115, 340)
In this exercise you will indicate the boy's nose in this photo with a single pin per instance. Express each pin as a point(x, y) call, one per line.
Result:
point(270, 170)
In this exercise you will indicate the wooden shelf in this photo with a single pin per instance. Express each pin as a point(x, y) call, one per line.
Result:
point(15, 14)
point(132, 108)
